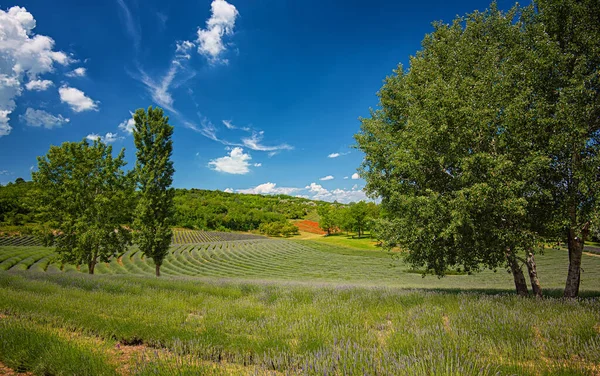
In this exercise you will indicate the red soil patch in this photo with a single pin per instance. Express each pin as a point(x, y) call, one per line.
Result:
point(309, 226)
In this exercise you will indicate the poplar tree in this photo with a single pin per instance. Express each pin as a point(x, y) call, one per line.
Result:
point(154, 174)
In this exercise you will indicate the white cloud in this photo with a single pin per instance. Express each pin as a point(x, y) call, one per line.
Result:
point(77, 72)
point(4, 172)
point(228, 124)
point(40, 118)
point(38, 85)
point(345, 178)
point(77, 99)
point(133, 28)
point(228, 190)
point(220, 23)
point(355, 176)
point(107, 139)
point(258, 165)
point(182, 49)
point(340, 195)
point(269, 189)
point(22, 53)
point(127, 125)
point(335, 155)
point(160, 90)
point(234, 163)
point(254, 142)
point(328, 177)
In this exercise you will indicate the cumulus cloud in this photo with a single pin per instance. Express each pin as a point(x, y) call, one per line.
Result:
point(312, 191)
point(328, 177)
point(220, 24)
point(228, 190)
point(258, 165)
point(23, 54)
point(77, 72)
point(40, 118)
point(269, 189)
point(38, 85)
point(107, 139)
point(76, 99)
point(237, 162)
point(355, 176)
point(128, 125)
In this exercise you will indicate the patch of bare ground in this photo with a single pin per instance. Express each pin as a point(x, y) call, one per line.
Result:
point(5, 371)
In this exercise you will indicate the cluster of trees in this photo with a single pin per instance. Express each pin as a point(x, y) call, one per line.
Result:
point(216, 210)
point(15, 209)
point(84, 196)
point(283, 228)
point(488, 145)
point(355, 217)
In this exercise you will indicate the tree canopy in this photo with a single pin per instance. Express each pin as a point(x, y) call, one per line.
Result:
point(84, 195)
point(465, 150)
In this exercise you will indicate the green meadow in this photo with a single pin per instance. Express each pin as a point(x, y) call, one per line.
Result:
point(292, 307)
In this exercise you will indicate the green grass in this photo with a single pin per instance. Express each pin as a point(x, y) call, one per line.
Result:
point(227, 327)
point(294, 306)
point(351, 241)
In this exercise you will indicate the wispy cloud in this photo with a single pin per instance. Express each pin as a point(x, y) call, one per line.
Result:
point(131, 25)
point(41, 118)
point(335, 155)
point(254, 142)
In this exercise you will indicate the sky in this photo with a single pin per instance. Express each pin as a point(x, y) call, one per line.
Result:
point(265, 95)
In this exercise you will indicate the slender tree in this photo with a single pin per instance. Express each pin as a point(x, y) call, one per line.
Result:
point(154, 173)
point(85, 197)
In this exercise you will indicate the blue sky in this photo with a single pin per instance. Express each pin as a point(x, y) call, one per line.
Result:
point(265, 95)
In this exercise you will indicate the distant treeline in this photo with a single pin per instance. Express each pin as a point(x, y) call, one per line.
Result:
point(195, 208)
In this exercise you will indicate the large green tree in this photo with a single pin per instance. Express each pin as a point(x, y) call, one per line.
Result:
point(573, 96)
point(458, 151)
point(85, 196)
point(154, 174)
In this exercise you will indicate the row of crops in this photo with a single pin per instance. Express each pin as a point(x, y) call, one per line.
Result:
point(248, 259)
point(179, 237)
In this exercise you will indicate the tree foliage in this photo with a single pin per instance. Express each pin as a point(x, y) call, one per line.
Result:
point(85, 196)
point(154, 175)
point(458, 151)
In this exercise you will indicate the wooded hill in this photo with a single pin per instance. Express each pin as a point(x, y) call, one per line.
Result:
point(195, 208)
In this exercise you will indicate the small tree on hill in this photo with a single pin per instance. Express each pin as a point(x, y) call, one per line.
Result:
point(326, 218)
point(154, 174)
point(86, 197)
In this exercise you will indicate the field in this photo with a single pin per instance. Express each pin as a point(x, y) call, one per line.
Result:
point(266, 306)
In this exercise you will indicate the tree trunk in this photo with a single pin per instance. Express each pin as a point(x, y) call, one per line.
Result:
point(91, 266)
point(535, 282)
point(575, 245)
point(518, 276)
point(157, 266)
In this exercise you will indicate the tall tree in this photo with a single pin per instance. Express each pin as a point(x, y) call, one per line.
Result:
point(154, 173)
point(86, 197)
point(574, 96)
point(326, 217)
point(457, 149)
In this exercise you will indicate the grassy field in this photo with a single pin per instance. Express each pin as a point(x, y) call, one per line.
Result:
point(263, 306)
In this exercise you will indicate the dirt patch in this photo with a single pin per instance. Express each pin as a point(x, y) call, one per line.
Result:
point(120, 260)
point(5, 371)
